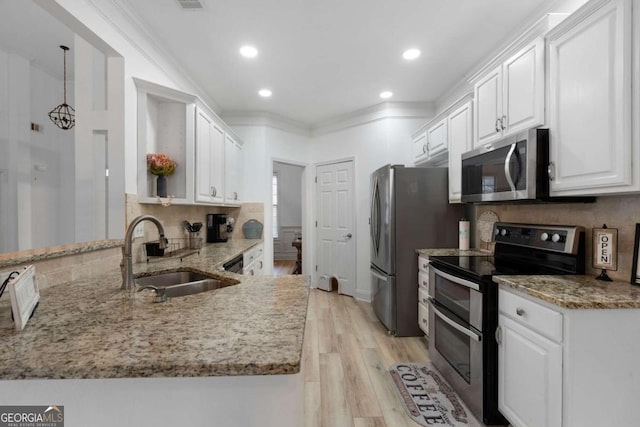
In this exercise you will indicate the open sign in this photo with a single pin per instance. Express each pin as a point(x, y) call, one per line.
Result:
point(605, 248)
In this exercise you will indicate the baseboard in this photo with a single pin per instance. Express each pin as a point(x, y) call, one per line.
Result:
point(362, 295)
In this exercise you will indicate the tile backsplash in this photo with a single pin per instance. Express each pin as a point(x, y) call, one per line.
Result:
point(621, 212)
point(173, 215)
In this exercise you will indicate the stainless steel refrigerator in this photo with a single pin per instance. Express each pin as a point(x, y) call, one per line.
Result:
point(409, 210)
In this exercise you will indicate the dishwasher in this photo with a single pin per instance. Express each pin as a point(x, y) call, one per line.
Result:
point(235, 265)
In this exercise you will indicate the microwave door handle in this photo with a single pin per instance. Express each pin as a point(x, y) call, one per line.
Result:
point(453, 324)
point(507, 171)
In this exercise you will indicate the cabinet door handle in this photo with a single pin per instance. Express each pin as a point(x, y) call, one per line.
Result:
point(502, 120)
point(424, 148)
point(551, 171)
point(235, 196)
point(497, 125)
point(214, 191)
point(498, 335)
point(520, 311)
point(428, 146)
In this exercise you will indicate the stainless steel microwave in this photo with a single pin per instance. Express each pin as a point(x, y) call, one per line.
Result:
point(513, 168)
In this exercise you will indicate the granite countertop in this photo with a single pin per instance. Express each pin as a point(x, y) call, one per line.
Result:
point(575, 292)
point(452, 252)
point(92, 329)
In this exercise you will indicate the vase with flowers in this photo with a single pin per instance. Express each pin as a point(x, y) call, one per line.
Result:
point(161, 165)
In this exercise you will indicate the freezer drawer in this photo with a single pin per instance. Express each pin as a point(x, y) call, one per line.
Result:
point(384, 298)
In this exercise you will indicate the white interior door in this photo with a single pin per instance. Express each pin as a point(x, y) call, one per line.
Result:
point(336, 254)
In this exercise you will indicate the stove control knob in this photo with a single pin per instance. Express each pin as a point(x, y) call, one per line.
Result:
point(504, 232)
point(556, 238)
point(544, 237)
point(497, 231)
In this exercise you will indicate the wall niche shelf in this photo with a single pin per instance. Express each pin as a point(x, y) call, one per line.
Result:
point(166, 120)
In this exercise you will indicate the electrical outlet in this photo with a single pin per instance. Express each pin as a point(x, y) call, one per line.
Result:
point(138, 231)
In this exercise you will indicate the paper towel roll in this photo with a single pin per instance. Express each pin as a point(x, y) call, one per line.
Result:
point(463, 235)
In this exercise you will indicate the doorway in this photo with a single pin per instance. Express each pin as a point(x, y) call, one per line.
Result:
point(335, 226)
point(287, 190)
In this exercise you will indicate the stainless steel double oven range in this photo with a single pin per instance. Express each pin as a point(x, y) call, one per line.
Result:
point(463, 312)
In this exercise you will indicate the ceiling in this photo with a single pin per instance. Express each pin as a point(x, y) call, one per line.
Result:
point(31, 32)
point(322, 59)
point(325, 58)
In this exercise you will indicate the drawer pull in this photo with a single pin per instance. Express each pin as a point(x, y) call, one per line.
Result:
point(424, 321)
point(425, 300)
point(520, 311)
point(424, 283)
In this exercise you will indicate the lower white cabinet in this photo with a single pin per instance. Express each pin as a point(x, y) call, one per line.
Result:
point(253, 263)
point(529, 376)
point(423, 294)
point(567, 367)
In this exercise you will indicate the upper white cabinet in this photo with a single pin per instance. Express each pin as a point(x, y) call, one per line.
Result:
point(593, 68)
point(209, 156)
point(510, 97)
point(420, 146)
point(233, 171)
point(209, 159)
point(437, 138)
point(430, 142)
point(460, 141)
point(165, 125)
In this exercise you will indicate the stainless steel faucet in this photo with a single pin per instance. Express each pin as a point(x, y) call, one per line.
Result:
point(127, 274)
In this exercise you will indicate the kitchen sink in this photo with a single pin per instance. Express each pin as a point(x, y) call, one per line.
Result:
point(180, 283)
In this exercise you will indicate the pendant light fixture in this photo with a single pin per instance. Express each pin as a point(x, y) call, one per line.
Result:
point(64, 116)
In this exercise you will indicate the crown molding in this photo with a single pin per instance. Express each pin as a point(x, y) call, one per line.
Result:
point(266, 119)
point(384, 110)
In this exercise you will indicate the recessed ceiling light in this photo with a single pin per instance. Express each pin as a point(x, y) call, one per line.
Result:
point(411, 54)
point(386, 94)
point(248, 51)
point(265, 93)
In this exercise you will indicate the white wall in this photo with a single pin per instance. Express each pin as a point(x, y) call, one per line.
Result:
point(372, 145)
point(37, 196)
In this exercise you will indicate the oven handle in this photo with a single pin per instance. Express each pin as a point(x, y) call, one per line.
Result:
point(455, 279)
point(453, 324)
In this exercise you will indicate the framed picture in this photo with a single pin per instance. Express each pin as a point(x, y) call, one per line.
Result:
point(605, 248)
point(635, 271)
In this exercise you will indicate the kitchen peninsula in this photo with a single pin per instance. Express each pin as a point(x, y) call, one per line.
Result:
point(230, 356)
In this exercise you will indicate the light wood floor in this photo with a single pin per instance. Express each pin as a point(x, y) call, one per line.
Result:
point(283, 267)
point(346, 356)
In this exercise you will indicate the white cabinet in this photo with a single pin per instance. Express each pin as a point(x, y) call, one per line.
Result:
point(166, 120)
point(529, 363)
point(210, 139)
point(510, 97)
point(430, 142)
point(556, 365)
point(420, 147)
point(423, 294)
point(460, 141)
point(253, 262)
point(233, 171)
point(593, 60)
point(437, 138)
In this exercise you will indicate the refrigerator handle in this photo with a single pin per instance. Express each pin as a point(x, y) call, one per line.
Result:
point(378, 275)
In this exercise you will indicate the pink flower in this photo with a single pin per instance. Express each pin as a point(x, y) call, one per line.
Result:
point(161, 164)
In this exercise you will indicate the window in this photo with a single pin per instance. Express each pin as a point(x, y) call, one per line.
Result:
point(274, 203)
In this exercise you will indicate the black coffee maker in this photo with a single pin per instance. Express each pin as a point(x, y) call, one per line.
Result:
point(217, 228)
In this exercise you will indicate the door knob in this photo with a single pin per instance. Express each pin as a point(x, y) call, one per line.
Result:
point(348, 236)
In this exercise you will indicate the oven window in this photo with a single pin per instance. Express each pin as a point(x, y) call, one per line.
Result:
point(455, 347)
point(453, 296)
